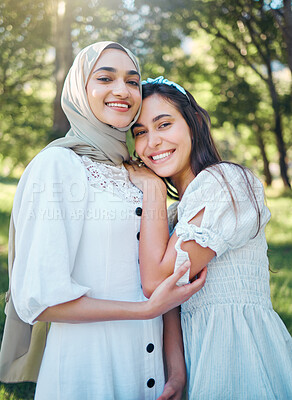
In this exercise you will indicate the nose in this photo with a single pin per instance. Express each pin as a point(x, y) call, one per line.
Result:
point(154, 139)
point(121, 89)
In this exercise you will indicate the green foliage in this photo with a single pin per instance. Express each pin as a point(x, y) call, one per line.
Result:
point(279, 235)
point(215, 49)
point(24, 115)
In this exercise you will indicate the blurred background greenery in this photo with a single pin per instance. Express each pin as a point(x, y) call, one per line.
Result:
point(234, 56)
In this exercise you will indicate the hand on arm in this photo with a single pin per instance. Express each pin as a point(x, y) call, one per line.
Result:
point(85, 309)
point(157, 251)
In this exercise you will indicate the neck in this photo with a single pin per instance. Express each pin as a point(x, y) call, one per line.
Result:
point(182, 181)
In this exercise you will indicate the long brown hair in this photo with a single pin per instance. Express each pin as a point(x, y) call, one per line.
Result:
point(204, 153)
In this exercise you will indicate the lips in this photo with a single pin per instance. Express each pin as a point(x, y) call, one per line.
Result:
point(118, 105)
point(161, 155)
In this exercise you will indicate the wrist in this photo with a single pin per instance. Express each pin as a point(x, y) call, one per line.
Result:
point(177, 380)
point(148, 310)
point(177, 375)
point(155, 190)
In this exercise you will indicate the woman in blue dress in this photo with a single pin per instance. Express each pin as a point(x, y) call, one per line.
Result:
point(236, 346)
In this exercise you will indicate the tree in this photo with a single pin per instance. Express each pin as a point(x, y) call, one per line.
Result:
point(23, 68)
point(62, 19)
point(283, 17)
point(153, 30)
point(248, 32)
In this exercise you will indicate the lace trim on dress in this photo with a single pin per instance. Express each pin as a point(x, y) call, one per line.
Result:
point(111, 178)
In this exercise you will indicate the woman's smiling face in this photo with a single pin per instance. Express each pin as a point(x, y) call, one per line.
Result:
point(113, 89)
point(163, 139)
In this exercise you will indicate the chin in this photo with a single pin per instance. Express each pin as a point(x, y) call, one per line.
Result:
point(123, 123)
point(119, 124)
point(160, 172)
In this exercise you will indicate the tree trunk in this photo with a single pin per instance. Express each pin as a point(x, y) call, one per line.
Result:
point(63, 61)
point(261, 144)
point(278, 129)
point(287, 13)
point(284, 20)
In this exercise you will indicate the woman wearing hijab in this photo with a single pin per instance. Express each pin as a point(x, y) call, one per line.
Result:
point(75, 224)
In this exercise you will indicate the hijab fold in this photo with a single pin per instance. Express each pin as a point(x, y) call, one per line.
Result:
point(89, 136)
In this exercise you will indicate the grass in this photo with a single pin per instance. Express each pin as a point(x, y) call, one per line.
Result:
point(279, 235)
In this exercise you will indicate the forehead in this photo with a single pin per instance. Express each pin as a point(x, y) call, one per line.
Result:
point(155, 105)
point(115, 58)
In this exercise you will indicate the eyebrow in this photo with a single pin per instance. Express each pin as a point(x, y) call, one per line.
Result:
point(160, 116)
point(110, 69)
point(157, 118)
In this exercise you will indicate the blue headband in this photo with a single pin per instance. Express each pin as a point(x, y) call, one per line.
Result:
point(162, 80)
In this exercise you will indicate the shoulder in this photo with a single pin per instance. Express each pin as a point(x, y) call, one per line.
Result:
point(58, 156)
point(54, 161)
point(223, 186)
point(50, 168)
point(224, 172)
point(225, 177)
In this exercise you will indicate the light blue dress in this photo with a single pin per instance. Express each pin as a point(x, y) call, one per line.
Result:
point(236, 346)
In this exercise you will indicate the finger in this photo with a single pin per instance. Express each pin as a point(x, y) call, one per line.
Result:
point(134, 165)
point(202, 274)
point(187, 263)
point(128, 165)
point(137, 163)
point(197, 285)
point(179, 272)
point(167, 394)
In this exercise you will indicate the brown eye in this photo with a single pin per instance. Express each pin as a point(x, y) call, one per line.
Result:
point(104, 79)
point(138, 133)
point(134, 83)
point(164, 125)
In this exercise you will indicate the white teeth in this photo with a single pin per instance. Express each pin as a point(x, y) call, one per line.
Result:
point(160, 156)
point(118, 105)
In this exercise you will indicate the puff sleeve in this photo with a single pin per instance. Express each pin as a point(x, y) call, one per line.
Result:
point(48, 222)
point(230, 217)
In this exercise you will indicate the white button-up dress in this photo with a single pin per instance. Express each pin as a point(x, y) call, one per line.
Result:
point(76, 234)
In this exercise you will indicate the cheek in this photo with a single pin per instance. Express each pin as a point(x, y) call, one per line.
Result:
point(139, 147)
point(137, 101)
point(186, 140)
point(93, 92)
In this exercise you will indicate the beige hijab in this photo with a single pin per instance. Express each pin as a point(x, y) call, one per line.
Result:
point(89, 136)
point(23, 344)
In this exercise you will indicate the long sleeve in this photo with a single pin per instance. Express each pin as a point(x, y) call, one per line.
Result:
point(48, 214)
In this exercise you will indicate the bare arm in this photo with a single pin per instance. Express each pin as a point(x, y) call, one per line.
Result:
point(174, 354)
point(85, 309)
point(157, 252)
